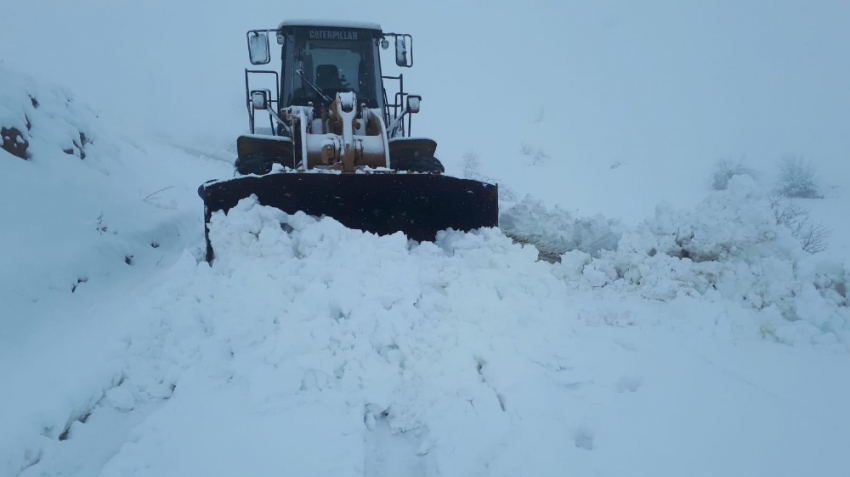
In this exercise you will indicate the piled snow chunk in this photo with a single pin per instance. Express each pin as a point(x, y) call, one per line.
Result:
point(557, 231)
point(332, 349)
point(735, 223)
point(355, 343)
point(728, 247)
point(40, 119)
point(300, 318)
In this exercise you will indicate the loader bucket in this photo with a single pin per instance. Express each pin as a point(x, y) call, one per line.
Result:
point(419, 205)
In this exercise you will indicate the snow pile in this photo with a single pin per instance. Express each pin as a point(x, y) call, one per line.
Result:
point(728, 247)
point(300, 334)
point(312, 349)
point(41, 119)
point(556, 232)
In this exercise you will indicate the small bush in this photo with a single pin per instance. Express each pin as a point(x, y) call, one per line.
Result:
point(797, 179)
point(725, 170)
point(812, 237)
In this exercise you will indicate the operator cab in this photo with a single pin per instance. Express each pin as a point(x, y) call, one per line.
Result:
point(321, 61)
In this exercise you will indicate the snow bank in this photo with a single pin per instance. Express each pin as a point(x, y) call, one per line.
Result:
point(312, 349)
point(728, 247)
point(87, 221)
point(40, 119)
point(556, 232)
point(301, 334)
point(87, 203)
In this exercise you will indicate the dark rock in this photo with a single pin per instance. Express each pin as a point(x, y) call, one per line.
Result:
point(14, 143)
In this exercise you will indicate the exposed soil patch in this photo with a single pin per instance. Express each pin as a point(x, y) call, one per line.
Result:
point(14, 143)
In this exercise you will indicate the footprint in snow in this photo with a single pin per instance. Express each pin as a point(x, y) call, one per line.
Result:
point(584, 438)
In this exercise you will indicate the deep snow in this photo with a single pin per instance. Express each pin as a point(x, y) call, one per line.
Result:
point(706, 343)
point(701, 342)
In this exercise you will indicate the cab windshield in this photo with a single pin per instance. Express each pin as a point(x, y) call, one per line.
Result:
point(332, 65)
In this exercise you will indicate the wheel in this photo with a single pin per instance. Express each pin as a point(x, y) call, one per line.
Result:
point(417, 164)
point(255, 164)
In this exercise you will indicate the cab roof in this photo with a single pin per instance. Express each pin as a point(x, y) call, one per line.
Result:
point(330, 24)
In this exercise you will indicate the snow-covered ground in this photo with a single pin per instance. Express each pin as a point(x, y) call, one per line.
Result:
point(682, 332)
point(701, 342)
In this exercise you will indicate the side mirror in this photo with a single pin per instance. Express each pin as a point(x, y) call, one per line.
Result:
point(260, 99)
point(413, 103)
point(404, 50)
point(258, 47)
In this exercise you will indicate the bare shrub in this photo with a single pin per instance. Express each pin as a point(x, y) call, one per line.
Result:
point(726, 169)
point(813, 237)
point(797, 179)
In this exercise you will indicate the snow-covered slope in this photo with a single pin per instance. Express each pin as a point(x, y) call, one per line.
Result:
point(86, 226)
point(88, 204)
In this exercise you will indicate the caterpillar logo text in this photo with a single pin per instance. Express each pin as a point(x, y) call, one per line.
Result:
point(332, 35)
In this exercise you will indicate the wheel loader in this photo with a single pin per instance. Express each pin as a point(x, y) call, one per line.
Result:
point(324, 138)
